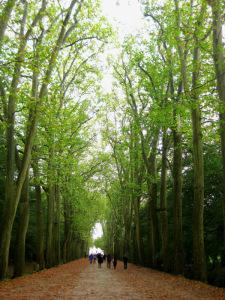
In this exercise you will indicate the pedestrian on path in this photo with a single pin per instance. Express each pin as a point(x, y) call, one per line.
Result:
point(125, 261)
point(109, 259)
point(94, 257)
point(114, 262)
point(91, 258)
point(100, 260)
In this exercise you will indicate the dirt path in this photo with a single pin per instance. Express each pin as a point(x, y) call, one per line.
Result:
point(79, 280)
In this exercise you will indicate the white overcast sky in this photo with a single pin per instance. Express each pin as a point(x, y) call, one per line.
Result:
point(124, 14)
point(97, 231)
point(126, 18)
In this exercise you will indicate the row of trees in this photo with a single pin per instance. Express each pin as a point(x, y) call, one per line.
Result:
point(48, 67)
point(164, 123)
point(167, 140)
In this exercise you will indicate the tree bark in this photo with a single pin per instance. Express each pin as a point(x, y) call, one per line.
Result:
point(19, 264)
point(50, 211)
point(56, 226)
point(150, 166)
point(39, 219)
point(177, 154)
point(219, 62)
point(136, 179)
point(163, 204)
point(137, 228)
point(127, 224)
point(67, 229)
point(177, 194)
point(10, 212)
point(13, 191)
point(153, 236)
point(50, 218)
point(198, 208)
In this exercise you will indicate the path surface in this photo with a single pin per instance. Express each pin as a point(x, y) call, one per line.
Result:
point(79, 280)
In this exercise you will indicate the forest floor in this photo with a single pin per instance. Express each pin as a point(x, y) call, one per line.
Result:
point(80, 280)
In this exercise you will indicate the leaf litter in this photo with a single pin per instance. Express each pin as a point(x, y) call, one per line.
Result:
point(80, 280)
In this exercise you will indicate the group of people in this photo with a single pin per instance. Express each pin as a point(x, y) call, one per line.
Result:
point(98, 256)
point(110, 260)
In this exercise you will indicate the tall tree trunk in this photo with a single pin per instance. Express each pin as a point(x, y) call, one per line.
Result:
point(13, 191)
point(177, 194)
point(150, 165)
point(163, 204)
point(39, 219)
point(177, 154)
point(50, 211)
point(56, 227)
point(136, 179)
point(67, 229)
point(22, 229)
point(153, 231)
point(50, 219)
point(134, 247)
point(137, 228)
point(219, 62)
point(127, 224)
point(198, 208)
point(126, 197)
point(11, 208)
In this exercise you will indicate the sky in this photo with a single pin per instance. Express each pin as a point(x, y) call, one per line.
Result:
point(125, 15)
point(97, 231)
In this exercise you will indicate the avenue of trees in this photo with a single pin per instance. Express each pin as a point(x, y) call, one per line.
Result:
point(166, 127)
point(48, 203)
point(146, 159)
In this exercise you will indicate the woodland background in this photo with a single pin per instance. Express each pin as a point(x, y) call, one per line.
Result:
point(147, 159)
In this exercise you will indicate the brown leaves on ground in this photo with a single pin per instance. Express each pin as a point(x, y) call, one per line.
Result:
point(152, 284)
point(79, 280)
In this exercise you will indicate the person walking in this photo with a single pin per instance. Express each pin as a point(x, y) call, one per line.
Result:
point(125, 261)
point(109, 259)
point(90, 258)
point(100, 260)
point(94, 258)
point(114, 262)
